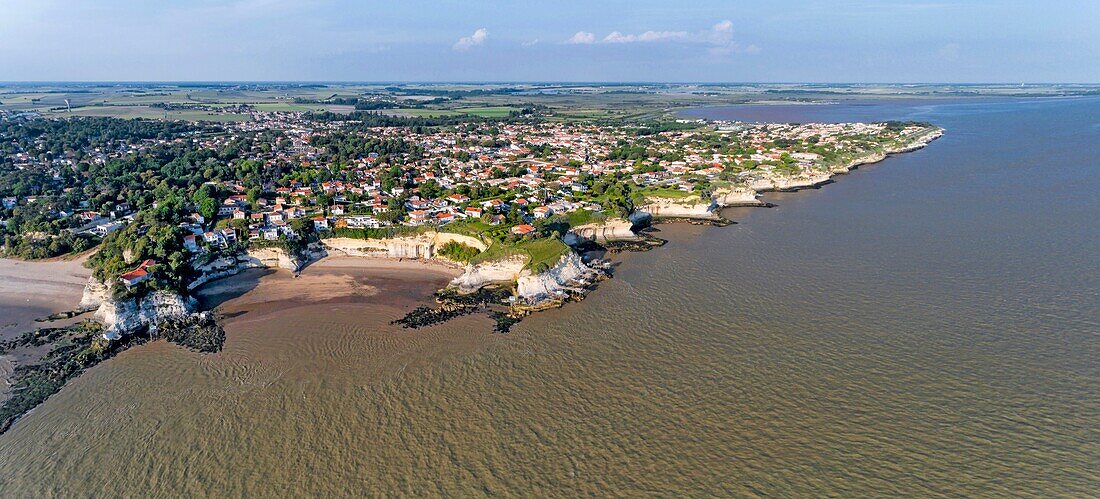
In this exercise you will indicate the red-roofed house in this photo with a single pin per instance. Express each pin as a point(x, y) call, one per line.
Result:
point(523, 230)
point(141, 273)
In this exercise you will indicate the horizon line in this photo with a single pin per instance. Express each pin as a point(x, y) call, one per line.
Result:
point(538, 82)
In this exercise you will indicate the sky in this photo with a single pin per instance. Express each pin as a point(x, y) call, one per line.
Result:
point(977, 41)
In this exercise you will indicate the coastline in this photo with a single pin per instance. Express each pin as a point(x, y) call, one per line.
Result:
point(317, 278)
point(694, 209)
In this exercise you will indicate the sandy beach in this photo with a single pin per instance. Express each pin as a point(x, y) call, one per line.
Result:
point(333, 278)
point(34, 289)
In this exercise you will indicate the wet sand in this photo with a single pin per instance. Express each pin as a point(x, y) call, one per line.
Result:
point(34, 289)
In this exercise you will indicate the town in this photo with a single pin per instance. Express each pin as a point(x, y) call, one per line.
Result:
point(287, 178)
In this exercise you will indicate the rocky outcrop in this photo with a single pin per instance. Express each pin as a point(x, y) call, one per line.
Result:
point(477, 276)
point(275, 257)
point(803, 180)
point(735, 195)
point(120, 317)
point(95, 293)
point(689, 207)
point(260, 258)
point(570, 273)
point(614, 229)
point(419, 246)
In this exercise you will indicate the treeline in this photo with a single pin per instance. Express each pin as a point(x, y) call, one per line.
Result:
point(454, 93)
point(360, 120)
point(359, 103)
point(78, 133)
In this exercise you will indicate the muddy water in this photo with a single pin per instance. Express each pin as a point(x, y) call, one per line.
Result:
point(925, 326)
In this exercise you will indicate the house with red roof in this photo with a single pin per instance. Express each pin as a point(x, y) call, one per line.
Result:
point(142, 273)
point(523, 230)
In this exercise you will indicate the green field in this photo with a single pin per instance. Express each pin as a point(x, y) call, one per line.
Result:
point(423, 113)
point(488, 111)
point(130, 112)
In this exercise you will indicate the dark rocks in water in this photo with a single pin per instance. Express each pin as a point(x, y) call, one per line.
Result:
point(713, 222)
point(504, 322)
point(60, 315)
point(75, 348)
point(427, 316)
point(453, 304)
point(489, 295)
point(35, 338)
point(646, 243)
point(198, 332)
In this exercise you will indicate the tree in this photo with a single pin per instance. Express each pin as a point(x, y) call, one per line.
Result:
point(430, 189)
point(208, 208)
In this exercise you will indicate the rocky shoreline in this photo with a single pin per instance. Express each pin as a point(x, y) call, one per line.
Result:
point(569, 279)
point(696, 208)
point(504, 289)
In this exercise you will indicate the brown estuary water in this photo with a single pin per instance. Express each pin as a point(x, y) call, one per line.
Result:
point(928, 325)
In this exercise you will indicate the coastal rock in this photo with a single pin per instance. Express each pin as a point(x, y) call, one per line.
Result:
point(737, 195)
point(477, 276)
point(786, 183)
point(275, 257)
point(226, 266)
point(690, 207)
point(95, 293)
point(126, 316)
point(418, 246)
point(569, 273)
point(615, 229)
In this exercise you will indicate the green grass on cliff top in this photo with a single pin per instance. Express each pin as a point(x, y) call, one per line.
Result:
point(541, 253)
point(665, 192)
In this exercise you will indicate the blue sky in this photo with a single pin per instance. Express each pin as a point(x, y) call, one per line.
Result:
point(562, 40)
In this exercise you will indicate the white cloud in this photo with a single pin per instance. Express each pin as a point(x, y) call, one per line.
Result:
point(717, 40)
point(582, 38)
point(530, 43)
point(466, 42)
point(648, 36)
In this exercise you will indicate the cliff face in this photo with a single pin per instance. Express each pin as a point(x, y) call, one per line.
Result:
point(420, 246)
point(570, 272)
point(273, 257)
point(784, 182)
point(121, 317)
point(477, 276)
point(95, 293)
point(615, 229)
point(737, 195)
point(691, 207)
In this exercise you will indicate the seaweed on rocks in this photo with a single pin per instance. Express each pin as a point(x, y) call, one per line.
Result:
point(713, 222)
point(35, 338)
point(427, 316)
point(453, 304)
point(503, 321)
point(82, 346)
point(646, 243)
point(197, 332)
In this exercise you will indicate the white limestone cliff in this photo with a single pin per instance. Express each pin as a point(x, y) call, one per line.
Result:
point(614, 229)
point(570, 272)
point(479, 275)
